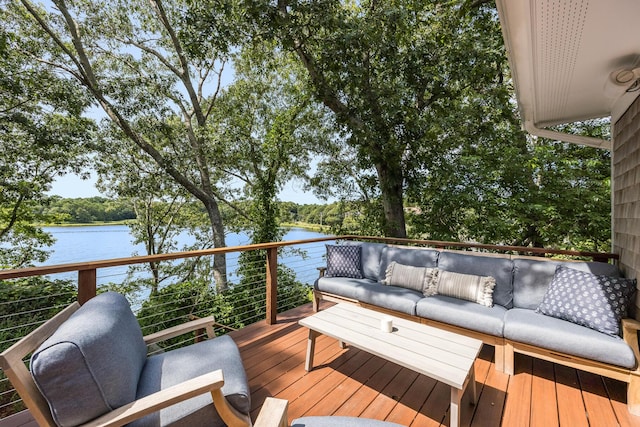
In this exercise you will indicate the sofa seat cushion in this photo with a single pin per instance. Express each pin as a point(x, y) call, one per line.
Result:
point(92, 363)
point(343, 286)
point(337, 421)
point(462, 313)
point(528, 327)
point(390, 297)
point(173, 367)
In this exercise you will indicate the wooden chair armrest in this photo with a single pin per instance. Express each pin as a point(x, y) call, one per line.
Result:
point(321, 271)
point(161, 399)
point(273, 413)
point(203, 323)
point(630, 328)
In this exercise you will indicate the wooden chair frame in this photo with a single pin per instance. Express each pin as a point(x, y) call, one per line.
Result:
point(12, 363)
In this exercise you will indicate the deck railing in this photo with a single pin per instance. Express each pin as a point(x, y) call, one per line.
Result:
point(301, 256)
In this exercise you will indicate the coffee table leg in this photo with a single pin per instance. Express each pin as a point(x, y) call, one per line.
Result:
point(454, 410)
point(311, 346)
point(472, 383)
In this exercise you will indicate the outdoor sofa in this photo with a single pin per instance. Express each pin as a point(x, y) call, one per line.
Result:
point(574, 313)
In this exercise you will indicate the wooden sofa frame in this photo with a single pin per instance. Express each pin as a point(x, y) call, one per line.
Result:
point(505, 349)
point(13, 365)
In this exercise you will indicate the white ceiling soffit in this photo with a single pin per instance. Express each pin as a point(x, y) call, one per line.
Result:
point(562, 55)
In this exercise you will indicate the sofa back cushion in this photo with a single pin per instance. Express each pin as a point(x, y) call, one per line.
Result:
point(531, 277)
point(499, 268)
point(93, 361)
point(416, 257)
point(370, 258)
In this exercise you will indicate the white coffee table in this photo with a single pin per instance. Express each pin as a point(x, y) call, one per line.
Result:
point(438, 354)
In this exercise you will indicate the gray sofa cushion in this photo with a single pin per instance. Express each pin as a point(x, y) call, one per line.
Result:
point(370, 255)
point(167, 369)
point(466, 314)
point(417, 257)
point(391, 297)
point(343, 286)
point(499, 268)
point(529, 327)
point(92, 363)
point(340, 422)
point(531, 278)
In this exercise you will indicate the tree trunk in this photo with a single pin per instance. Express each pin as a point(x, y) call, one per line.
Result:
point(219, 260)
point(391, 187)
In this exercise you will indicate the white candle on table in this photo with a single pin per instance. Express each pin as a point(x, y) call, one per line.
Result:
point(386, 324)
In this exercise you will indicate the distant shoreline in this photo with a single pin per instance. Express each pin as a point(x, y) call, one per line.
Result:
point(304, 225)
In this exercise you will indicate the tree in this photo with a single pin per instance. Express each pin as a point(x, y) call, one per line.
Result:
point(42, 135)
point(131, 58)
point(389, 71)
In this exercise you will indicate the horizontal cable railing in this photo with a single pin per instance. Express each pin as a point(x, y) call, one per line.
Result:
point(275, 277)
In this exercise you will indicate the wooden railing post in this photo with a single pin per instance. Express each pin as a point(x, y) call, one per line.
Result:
point(86, 285)
point(272, 285)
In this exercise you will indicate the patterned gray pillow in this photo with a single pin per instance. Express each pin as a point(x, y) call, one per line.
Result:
point(595, 301)
point(344, 261)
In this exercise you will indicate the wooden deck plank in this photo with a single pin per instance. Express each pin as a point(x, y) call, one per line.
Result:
point(274, 358)
point(517, 410)
point(407, 409)
point(571, 410)
point(596, 400)
point(488, 410)
point(544, 404)
point(358, 403)
point(617, 391)
point(389, 397)
point(331, 402)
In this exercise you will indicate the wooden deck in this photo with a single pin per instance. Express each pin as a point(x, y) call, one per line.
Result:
point(354, 383)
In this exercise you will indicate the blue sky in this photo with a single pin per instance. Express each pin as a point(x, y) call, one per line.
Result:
point(71, 186)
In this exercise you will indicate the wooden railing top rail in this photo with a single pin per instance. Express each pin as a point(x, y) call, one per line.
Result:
point(116, 262)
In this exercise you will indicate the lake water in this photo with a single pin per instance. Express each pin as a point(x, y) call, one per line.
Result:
point(91, 243)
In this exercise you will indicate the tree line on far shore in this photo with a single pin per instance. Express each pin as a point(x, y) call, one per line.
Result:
point(90, 210)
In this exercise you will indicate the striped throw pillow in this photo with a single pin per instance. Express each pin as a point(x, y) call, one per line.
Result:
point(408, 276)
point(468, 287)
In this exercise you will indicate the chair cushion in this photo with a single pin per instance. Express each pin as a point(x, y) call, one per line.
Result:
point(344, 261)
point(529, 327)
point(531, 277)
point(340, 422)
point(173, 367)
point(92, 363)
point(596, 301)
point(466, 314)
